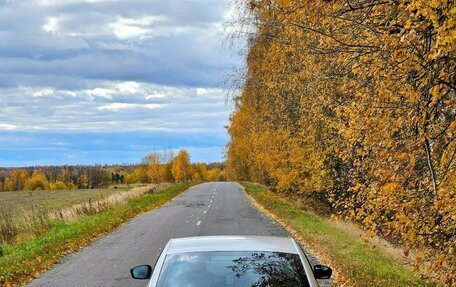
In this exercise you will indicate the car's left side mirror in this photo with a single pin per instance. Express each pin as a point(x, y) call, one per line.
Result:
point(322, 272)
point(141, 272)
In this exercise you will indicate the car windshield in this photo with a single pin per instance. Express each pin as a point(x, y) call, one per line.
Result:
point(255, 269)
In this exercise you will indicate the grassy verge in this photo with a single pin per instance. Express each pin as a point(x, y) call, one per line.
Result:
point(21, 262)
point(356, 263)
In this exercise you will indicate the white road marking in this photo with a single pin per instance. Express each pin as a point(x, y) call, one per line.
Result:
point(198, 223)
point(210, 201)
point(205, 211)
point(208, 206)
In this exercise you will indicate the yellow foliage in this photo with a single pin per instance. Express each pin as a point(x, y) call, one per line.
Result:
point(214, 174)
point(16, 180)
point(356, 100)
point(155, 167)
point(139, 175)
point(58, 185)
point(181, 169)
point(37, 181)
point(200, 172)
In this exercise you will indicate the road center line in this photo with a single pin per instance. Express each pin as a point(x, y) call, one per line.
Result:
point(198, 223)
point(205, 211)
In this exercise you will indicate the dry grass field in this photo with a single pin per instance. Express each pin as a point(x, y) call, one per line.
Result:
point(16, 203)
point(25, 214)
point(19, 202)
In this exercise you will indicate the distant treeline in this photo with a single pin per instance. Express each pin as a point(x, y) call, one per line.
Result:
point(154, 168)
point(57, 177)
point(165, 167)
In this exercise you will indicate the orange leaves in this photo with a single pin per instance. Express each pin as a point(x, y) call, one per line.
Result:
point(359, 103)
point(391, 187)
point(181, 168)
point(16, 180)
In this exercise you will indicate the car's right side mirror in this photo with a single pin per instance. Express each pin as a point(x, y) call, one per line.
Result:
point(322, 272)
point(141, 272)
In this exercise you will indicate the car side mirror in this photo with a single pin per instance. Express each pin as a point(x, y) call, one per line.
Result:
point(322, 272)
point(141, 272)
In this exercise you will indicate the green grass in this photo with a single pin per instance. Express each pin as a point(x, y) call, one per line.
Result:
point(23, 261)
point(362, 264)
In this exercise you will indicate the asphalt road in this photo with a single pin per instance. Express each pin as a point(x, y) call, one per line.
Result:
point(219, 208)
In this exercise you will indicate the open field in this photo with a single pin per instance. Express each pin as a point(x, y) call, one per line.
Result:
point(27, 214)
point(19, 202)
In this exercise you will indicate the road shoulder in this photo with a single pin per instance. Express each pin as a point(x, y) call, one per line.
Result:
point(354, 262)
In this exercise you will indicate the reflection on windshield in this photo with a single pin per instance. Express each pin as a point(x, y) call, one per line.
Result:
point(249, 269)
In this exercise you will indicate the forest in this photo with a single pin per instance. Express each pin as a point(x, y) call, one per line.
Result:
point(156, 167)
point(354, 101)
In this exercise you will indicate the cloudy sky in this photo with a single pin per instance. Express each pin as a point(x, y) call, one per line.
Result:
point(107, 81)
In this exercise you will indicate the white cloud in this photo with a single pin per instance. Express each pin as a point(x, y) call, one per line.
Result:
point(111, 66)
point(113, 105)
point(210, 93)
point(143, 64)
point(125, 28)
point(8, 127)
point(43, 93)
point(52, 25)
point(38, 92)
point(128, 106)
point(155, 95)
point(201, 91)
point(119, 88)
point(70, 93)
point(100, 92)
point(129, 87)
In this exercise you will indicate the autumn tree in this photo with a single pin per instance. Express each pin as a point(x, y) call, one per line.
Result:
point(139, 175)
point(168, 171)
point(355, 100)
point(83, 181)
point(181, 167)
point(2, 183)
point(214, 174)
point(66, 177)
point(168, 159)
point(200, 172)
point(37, 181)
point(155, 167)
point(16, 180)
point(58, 185)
